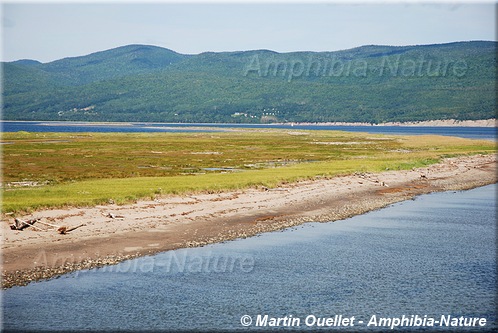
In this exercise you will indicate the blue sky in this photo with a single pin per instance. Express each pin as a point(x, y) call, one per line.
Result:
point(47, 32)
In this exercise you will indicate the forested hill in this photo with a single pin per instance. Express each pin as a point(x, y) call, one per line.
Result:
point(366, 84)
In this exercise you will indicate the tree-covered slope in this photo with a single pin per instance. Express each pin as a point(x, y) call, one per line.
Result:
point(367, 84)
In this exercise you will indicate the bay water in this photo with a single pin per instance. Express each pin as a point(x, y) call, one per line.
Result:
point(484, 133)
point(428, 257)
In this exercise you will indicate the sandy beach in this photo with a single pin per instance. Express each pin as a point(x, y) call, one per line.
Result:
point(429, 123)
point(112, 233)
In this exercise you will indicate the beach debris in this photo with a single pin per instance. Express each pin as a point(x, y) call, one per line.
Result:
point(21, 224)
point(369, 177)
point(49, 224)
point(114, 216)
point(266, 189)
point(280, 189)
point(64, 230)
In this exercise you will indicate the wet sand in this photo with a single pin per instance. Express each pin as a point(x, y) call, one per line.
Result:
point(113, 233)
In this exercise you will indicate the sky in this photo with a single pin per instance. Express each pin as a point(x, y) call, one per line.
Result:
point(51, 31)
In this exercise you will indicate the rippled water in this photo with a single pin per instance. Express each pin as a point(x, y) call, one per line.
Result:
point(433, 256)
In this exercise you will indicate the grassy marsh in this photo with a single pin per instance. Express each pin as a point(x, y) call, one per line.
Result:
point(79, 169)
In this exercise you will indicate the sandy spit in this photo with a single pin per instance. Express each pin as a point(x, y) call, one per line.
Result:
point(431, 123)
point(113, 233)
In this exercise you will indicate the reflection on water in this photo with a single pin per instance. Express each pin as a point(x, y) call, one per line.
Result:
point(432, 256)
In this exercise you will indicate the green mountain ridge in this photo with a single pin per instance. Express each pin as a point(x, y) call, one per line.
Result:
point(365, 84)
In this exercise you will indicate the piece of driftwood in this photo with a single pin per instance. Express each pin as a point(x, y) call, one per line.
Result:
point(49, 224)
point(64, 230)
point(114, 216)
point(21, 224)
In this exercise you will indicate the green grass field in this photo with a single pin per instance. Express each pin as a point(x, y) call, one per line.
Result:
point(79, 169)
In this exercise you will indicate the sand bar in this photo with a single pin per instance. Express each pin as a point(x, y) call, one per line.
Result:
point(113, 233)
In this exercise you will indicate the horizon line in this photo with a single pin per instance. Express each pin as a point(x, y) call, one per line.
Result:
point(249, 50)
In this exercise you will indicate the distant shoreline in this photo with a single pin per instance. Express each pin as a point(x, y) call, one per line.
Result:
point(426, 123)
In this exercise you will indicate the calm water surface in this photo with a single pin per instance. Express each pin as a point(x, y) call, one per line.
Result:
point(433, 256)
point(485, 133)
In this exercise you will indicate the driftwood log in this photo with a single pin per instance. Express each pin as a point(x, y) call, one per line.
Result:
point(49, 224)
point(21, 225)
point(114, 216)
point(64, 230)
